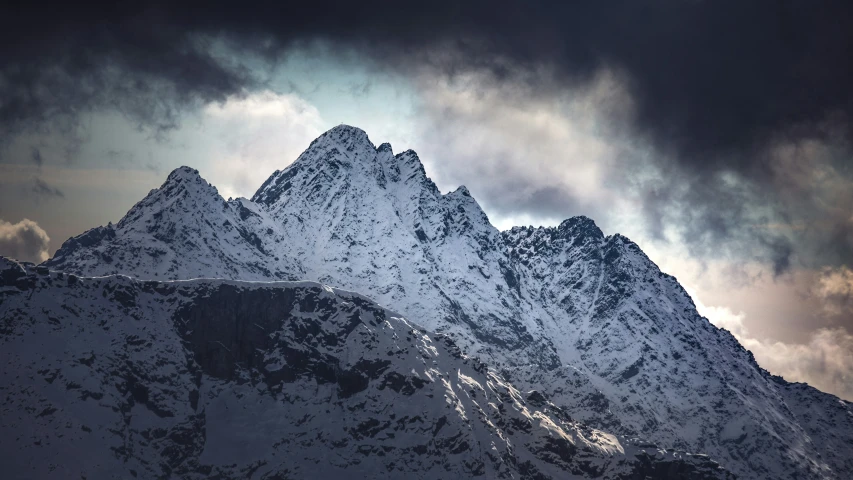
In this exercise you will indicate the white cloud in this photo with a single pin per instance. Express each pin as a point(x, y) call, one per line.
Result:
point(824, 362)
point(521, 151)
point(25, 241)
point(256, 135)
point(834, 288)
point(836, 282)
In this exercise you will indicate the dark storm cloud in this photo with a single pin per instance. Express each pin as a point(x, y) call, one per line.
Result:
point(60, 62)
point(709, 77)
point(40, 187)
point(719, 219)
point(714, 84)
point(35, 156)
point(44, 189)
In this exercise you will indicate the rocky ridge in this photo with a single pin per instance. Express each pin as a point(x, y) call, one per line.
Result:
point(584, 318)
point(112, 377)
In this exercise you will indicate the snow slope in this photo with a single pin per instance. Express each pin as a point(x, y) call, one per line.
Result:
point(182, 230)
point(112, 377)
point(584, 318)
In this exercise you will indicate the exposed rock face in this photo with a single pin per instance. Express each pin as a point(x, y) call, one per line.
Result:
point(113, 377)
point(586, 319)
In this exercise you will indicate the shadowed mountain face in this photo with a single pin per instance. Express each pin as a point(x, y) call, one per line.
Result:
point(586, 319)
point(114, 377)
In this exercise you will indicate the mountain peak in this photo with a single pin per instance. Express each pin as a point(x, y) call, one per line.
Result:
point(183, 179)
point(344, 135)
point(582, 223)
point(330, 160)
point(183, 187)
point(183, 172)
point(461, 190)
point(344, 129)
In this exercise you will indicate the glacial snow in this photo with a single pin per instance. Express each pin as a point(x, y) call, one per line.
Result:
point(586, 319)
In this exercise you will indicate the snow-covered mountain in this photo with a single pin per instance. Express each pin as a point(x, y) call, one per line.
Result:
point(112, 377)
point(182, 230)
point(586, 319)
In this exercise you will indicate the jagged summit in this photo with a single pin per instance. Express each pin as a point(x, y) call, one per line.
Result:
point(183, 172)
point(576, 224)
point(183, 229)
point(184, 191)
point(581, 222)
point(461, 190)
point(587, 320)
point(343, 136)
point(335, 157)
point(183, 184)
point(346, 134)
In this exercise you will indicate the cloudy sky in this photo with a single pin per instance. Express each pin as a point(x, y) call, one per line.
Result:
point(714, 134)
